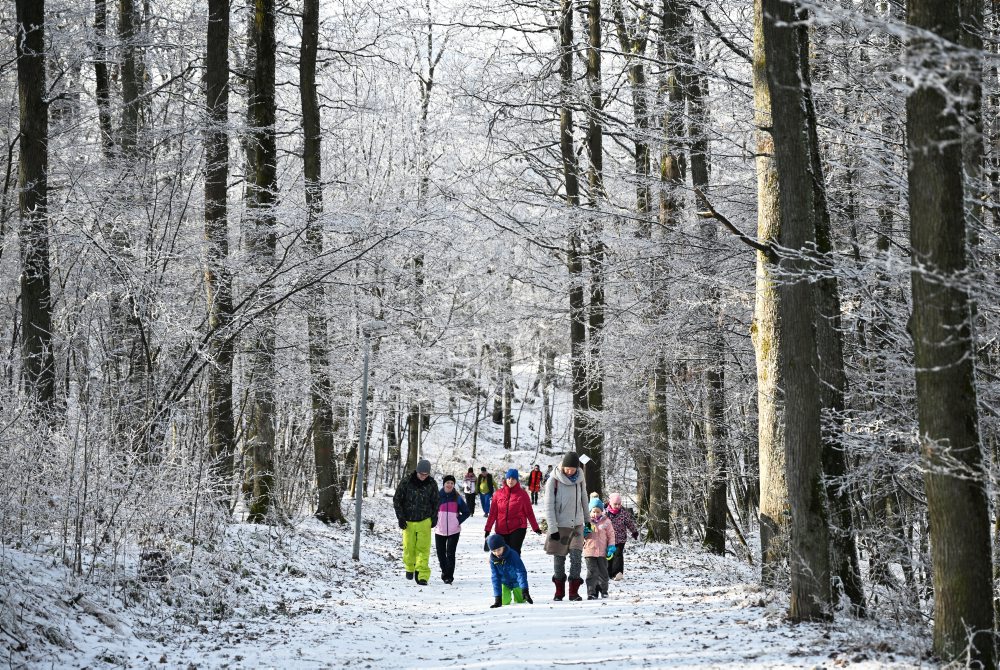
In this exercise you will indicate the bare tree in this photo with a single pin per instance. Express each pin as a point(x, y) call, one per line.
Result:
point(954, 469)
point(37, 360)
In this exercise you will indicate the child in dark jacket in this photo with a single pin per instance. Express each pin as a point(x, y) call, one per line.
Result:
point(510, 578)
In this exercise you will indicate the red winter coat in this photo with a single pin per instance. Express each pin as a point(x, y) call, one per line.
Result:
point(510, 510)
point(535, 481)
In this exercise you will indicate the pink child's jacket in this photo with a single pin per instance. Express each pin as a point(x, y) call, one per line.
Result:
point(596, 543)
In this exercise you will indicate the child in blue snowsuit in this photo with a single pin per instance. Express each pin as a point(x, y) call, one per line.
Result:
point(510, 579)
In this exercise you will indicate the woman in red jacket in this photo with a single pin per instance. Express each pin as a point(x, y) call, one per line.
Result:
point(535, 483)
point(511, 511)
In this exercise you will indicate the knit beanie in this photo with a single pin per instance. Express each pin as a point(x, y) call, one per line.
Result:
point(615, 499)
point(570, 460)
point(596, 503)
point(424, 466)
point(512, 473)
point(448, 478)
point(495, 542)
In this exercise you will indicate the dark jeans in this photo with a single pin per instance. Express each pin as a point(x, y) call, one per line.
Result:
point(484, 500)
point(597, 576)
point(446, 545)
point(534, 497)
point(616, 565)
point(516, 539)
point(470, 500)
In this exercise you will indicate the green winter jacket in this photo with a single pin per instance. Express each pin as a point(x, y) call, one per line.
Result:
point(416, 500)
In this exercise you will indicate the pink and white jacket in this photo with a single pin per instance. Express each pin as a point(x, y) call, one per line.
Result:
point(596, 542)
point(452, 511)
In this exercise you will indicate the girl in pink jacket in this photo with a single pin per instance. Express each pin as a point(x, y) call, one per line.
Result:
point(598, 535)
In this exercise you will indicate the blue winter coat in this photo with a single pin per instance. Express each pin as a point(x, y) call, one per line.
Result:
point(508, 570)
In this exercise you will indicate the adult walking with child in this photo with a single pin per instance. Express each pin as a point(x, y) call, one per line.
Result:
point(566, 510)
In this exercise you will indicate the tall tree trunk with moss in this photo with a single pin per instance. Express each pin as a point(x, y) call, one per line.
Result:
point(955, 473)
point(37, 360)
point(261, 241)
point(324, 423)
point(218, 278)
point(765, 333)
point(798, 386)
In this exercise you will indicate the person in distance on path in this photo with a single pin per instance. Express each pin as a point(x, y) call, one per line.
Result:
point(511, 511)
point(451, 513)
point(416, 505)
point(535, 483)
point(485, 489)
point(469, 489)
point(510, 579)
point(565, 513)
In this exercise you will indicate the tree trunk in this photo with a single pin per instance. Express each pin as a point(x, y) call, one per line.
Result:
point(715, 435)
point(413, 428)
point(218, 279)
point(595, 322)
point(507, 393)
point(833, 386)
point(261, 190)
point(548, 355)
point(798, 402)
point(321, 390)
point(765, 334)
point(37, 360)
point(102, 81)
point(634, 48)
point(658, 521)
point(955, 475)
point(717, 457)
point(574, 260)
point(131, 74)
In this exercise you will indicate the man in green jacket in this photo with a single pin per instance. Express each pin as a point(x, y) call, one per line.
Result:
point(416, 505)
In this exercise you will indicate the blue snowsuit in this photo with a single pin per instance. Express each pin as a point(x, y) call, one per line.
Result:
point(508, 571)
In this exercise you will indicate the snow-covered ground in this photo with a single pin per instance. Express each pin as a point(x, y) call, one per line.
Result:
point(292, 597)
point(305, 603)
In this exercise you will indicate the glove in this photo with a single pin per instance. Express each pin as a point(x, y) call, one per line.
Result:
point(611, 551)
point(538, 532)
point(554, 536)
point(586, 530)
point(402, 524)
point(496, 602)
point(527, 597)
point(487, 534)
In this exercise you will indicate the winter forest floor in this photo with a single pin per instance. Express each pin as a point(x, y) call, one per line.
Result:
point(302, 602)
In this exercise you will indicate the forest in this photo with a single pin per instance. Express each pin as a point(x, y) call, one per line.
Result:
point(747, 253)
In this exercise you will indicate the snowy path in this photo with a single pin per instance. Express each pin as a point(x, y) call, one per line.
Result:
point(677, 608)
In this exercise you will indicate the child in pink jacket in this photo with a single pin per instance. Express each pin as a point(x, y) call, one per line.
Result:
point(598, 535)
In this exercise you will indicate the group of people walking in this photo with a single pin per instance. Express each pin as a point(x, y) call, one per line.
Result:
point(484, 487)
point(579, 526)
